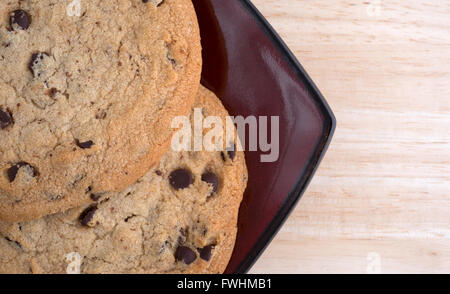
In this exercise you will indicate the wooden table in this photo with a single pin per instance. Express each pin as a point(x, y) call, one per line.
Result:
point(380, 201)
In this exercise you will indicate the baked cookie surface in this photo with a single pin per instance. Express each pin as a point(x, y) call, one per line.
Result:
point(88, 90)
point(181, 217)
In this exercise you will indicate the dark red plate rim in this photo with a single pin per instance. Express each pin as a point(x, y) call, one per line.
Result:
point(305, 178)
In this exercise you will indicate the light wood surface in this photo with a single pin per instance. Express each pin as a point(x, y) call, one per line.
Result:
point(380, 201)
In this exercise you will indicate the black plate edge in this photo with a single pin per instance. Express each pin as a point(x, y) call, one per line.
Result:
point(304, 180)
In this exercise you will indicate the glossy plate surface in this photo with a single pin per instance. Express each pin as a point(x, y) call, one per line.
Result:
point(251, 70)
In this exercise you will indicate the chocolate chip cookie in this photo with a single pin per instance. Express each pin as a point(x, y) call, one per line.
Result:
point(181, 217)
point(88, 90)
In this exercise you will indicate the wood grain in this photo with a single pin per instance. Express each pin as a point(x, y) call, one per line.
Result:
point(380, 201)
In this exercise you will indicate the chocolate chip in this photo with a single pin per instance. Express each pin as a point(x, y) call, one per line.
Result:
point(129, 217)
point(205, 252)
point(12, 173)
point(6, 119)
point(95, 197)
point(158, 173)
point(185, 254)
point(181, 179)
point(231, 152)
point(211, 178)
point(87, 215)
point(13, 170)
point(35, 59)
point(52, 92)
point(20, 18)
point(84, 145)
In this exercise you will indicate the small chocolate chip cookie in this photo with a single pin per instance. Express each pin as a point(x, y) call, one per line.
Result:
point(88, 90)
point(181, 217)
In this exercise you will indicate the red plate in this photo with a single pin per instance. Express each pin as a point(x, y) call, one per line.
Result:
point(248, 66)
